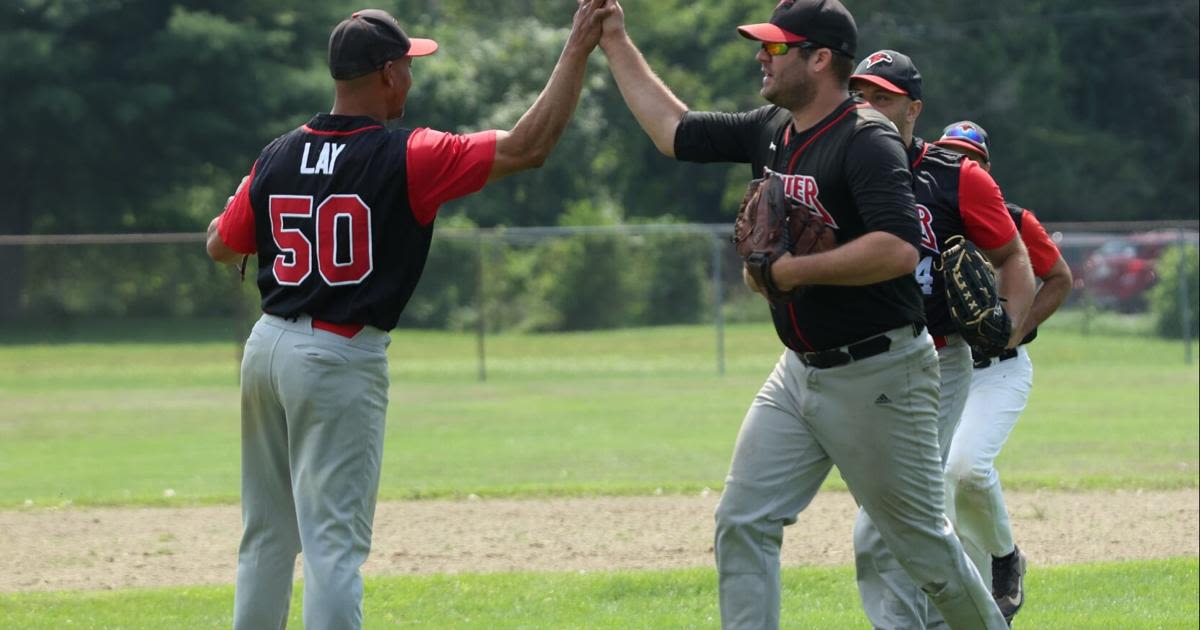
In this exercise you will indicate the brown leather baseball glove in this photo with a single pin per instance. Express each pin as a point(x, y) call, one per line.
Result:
point(975, 305)
point(769, 224)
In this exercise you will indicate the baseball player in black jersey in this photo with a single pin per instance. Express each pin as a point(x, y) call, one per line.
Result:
point(999, 390)
point(857, 385)
point(340, 212)
point(955, 197)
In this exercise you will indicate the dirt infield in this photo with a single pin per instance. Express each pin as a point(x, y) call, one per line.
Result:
point(113, 548)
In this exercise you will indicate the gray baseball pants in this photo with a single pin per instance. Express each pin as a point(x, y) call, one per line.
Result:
point(876, 419)
point(313, 410)
point(891, 599)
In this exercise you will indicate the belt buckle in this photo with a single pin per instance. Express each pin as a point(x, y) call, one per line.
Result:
point(826, 359)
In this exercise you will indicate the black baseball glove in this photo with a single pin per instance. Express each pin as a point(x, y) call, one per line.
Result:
point(976, 308)
point(769, 224)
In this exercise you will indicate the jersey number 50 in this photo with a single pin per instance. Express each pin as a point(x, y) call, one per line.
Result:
point(337, 213)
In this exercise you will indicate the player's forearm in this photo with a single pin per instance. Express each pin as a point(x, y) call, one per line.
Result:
point(873, 257)
point(217, 249)
point(1015, 284)
point(652, 103)
point(1056, 286)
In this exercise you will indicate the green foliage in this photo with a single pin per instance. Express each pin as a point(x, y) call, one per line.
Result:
point(589, 275)
point(1178, 265)
point(674, 268)
point(142, 115)
point(162, 280)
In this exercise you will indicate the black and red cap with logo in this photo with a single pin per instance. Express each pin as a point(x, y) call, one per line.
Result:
point(824, 22)
point(892, 71)
point(965, 136)
point(365, 41)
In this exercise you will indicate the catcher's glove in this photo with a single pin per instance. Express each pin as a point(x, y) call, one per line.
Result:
point(975, 305)
point(769, 224)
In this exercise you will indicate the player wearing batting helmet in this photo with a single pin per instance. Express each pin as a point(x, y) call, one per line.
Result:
point(999, 390)
point(340, 212)
point(856, 385)
point(955, 197)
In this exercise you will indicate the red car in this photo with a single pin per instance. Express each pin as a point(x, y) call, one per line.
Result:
point(1121, 271)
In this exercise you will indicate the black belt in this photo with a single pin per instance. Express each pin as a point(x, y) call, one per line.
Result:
point(856, 351)
point(1004, 356)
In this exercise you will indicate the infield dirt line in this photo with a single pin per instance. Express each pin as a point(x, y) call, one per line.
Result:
point(114, 548)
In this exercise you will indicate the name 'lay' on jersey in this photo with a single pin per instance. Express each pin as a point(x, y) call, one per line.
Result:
point(850, 170)
point(955, 197)
point(341, 211)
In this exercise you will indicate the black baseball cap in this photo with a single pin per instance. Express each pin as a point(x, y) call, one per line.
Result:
point(366, 40)
point(824, 22)
point(966, 135)
point(892, 71)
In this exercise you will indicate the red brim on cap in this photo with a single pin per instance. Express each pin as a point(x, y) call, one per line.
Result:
point(964, 144)
point(769, 33)
point(421, 47)
point(881, 82)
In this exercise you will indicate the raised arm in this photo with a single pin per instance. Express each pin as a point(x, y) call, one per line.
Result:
point(530, 142)
point(656, 109)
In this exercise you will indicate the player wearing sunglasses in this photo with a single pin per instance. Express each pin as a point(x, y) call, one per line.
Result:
point(955, 197)
point(856, 384)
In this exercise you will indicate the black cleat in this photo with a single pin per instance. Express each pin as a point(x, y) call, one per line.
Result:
point(1008, 583)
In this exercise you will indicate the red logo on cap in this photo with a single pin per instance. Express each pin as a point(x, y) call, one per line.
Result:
point(879, 57)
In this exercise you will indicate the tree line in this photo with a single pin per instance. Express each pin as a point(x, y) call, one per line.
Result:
point(141, 115)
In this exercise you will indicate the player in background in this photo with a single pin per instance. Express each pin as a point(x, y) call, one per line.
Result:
point(999, 390)
point(857, 383)
point(955, 197)
point(340, 212)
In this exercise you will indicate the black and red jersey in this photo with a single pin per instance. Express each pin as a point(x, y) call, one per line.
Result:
point(341, 211)
point(850, 170)
point(1043, 253)
point(955, 197)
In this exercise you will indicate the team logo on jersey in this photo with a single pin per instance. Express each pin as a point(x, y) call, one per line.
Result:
point(803, 190)
point(928, 238)
point(879, 57)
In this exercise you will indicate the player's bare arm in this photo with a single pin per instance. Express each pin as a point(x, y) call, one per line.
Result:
point(871, 258)
point(652, 103)
point(530, 142)
point(217, 249)
point(1056, 286)
point(1014, 280)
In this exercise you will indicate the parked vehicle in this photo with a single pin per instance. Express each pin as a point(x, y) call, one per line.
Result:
point(1120, 272)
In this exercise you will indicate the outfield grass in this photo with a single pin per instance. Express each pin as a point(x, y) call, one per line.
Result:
point(1158, 595)
point(618, 412)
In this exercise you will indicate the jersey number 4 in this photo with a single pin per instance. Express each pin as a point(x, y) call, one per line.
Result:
point(924, 275)
point(337, 215)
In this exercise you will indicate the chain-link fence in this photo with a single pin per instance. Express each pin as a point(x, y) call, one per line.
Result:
point(162, 287)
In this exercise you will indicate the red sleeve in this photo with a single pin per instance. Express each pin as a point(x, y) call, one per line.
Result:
point(1043, 253)
point(985, 219)
point(444, 166)
point(236, 225)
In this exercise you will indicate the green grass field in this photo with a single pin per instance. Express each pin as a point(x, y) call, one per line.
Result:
point(1157, 595)
point(618, 412)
